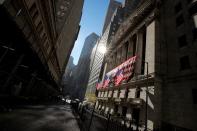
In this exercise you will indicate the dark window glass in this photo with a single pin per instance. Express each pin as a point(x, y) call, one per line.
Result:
point(184, 63)
point(136, 115)
point(115, 58)
point(40, 30)
point(44, 37)
point(179, 20)
point(134, 40)
point(189, 1)
point(138, 93)
point(124, 111)
point(182, 41)
point(178, 7)
point(126, 49)
point(143, 52)
point(116, 109)
point(193, 10)
point(39, 26)
point(194, 95)
point(32, 8)
point(35, 16)
point(15, 5)
point(194, 31)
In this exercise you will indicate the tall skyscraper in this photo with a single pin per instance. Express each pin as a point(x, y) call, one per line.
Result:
point(68, 77)
point(96, 65)
point(113, 5)
point(83, 67)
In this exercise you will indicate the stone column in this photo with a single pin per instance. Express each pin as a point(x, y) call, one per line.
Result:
point(139, 49)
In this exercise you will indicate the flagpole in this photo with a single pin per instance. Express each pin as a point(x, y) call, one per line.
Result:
point(146, 107)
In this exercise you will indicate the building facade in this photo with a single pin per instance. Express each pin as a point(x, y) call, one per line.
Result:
point(68, 78)
point(95, 66)
point(160, 92)
point(113, 5)
point(83, 66)
point(114, 17)
point(49, 29)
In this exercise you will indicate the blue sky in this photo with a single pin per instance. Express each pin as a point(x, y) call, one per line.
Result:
point(92, 20)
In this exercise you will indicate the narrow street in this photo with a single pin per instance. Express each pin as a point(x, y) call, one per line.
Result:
point(39, 118)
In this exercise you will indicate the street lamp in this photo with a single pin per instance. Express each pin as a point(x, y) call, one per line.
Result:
point(102, 49)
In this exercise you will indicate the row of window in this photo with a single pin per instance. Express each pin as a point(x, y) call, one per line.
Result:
point(34, 13)
point(123, 53)
point(182, 39)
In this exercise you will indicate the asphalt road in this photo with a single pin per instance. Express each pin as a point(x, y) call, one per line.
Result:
point(39, 118)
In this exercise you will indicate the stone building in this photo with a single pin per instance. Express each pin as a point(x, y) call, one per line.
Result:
point(47, 29)
point(120, 13)
point(160, 92)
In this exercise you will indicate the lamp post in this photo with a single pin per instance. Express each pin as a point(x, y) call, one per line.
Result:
point(101, 49)
point(146, 106)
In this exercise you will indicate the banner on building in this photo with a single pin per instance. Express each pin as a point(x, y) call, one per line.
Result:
point(119, 74)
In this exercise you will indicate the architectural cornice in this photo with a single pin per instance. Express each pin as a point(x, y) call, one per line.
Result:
point(132, 22)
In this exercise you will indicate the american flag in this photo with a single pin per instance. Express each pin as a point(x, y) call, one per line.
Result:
point(119, 76)
point(99, 85)
point(106, 81)
point(125, 71)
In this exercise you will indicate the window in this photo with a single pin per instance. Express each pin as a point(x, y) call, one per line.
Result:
point(116, 109)
point(143, 52)
point(124, 111)
point(194, 31)
point(136, 115)
point(115, 58)
point(35, 16)
point(179, 20)
point(194, 95)
point(138, 92)
point(184, 63)
point(126, 49)
point(134, 40)
point(39, 26)
point(193, 10)
point(178, 8)
point(119, 55)
point(40, 30)
point(46, 46)
point(182, 41)
point(44, 37)
point(189, 1)
point(32, 9)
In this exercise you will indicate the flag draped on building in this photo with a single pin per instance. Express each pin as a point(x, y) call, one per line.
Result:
point(128, 68)
point(125, 71)
point(99, 85)
point(119, 76)
point(106, 81)
point(121, 73)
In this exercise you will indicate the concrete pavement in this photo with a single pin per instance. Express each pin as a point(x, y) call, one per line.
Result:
point(39, 118)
